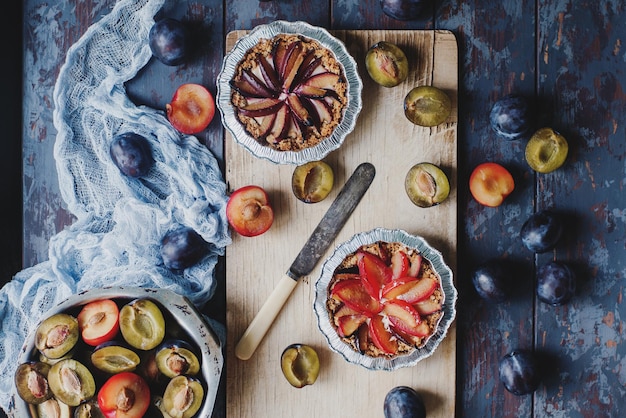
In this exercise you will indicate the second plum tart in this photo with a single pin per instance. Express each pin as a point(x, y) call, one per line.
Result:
point(385, 300)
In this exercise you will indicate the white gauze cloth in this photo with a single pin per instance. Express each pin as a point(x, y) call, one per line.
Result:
point(120, 222)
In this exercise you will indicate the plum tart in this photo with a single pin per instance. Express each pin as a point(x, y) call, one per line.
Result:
point(289, 92)
point(385, 300)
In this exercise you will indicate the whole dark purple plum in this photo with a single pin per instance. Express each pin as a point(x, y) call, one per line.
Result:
point(519, 372)
point(542, 231)
point(132, 154)
point(404, 402)
point(510, 117)
point(556, 283)
point(169, 41)
point(493, 280)
point(402, 9)
point(182, 248)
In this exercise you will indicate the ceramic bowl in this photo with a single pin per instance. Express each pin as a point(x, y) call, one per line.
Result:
point(175, 308)
point(227, 110)
point(429, 253)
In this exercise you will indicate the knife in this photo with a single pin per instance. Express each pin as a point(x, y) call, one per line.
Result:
point(328, 228)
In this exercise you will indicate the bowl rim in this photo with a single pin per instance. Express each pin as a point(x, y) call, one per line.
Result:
point(344, 58)
point(434, 256)
point(179, 307)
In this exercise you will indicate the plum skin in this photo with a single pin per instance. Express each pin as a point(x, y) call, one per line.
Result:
point(132, 154)
point(519, 372)
point(556, 283)
point(404, 402)
point(182, 248)
point(493, 281)
point(169, 41)
point(402, 9)
point(510, 117)
point(542, 231)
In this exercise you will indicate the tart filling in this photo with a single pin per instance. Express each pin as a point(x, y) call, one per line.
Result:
point(385, 300)
point(289, 92)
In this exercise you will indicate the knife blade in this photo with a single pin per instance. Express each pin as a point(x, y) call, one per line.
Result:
point(331, 223)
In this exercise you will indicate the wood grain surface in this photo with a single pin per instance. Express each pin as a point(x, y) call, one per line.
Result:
point(384, 137)
point(568, 56)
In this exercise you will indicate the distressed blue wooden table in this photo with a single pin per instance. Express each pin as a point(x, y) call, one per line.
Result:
point(568, 56)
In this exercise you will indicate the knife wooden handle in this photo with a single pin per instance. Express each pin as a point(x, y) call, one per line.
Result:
point(257, 329)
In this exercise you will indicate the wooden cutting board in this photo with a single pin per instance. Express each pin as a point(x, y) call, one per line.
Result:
point(384, 137)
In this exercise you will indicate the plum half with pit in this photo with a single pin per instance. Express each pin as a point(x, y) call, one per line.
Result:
point(182, 248)
point(556, 283)
point(98, 321)
point(183, 397)
point(426, 185)
point(125, 395)
point(31, 381)
point(53, 408)
point(427, 106)
point(249, 211)
point(542, 231)
point(191, 109)
point(169, 41)
point(404, 402)
point(71, 382)
point(132, 154)
point(57, 335)
point(403, 9)
point(510, 117)
point(519, 372)
point(387, 64)
point(176, 357)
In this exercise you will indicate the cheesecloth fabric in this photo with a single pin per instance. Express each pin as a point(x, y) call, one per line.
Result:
point(120, 220)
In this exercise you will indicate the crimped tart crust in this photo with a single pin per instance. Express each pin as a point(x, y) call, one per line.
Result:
point(313, 115)
point(385, 250)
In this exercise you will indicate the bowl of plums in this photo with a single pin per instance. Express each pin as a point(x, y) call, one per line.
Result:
point(114, 352)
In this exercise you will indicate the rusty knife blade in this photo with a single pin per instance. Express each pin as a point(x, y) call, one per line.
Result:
point(333, 221)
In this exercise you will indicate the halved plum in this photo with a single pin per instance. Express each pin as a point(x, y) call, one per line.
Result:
point(71, 382)
point(98, 321)
point(490, 183)
point(142, 324)
point(177, 357)
point(191, 109)
point(249, 211)
point(300, 365)
point(183, 397)
point(112, 357)
point(124, 395)
point(53, 408)
point(31, 382)
point(57, 335)
point(312, 182)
